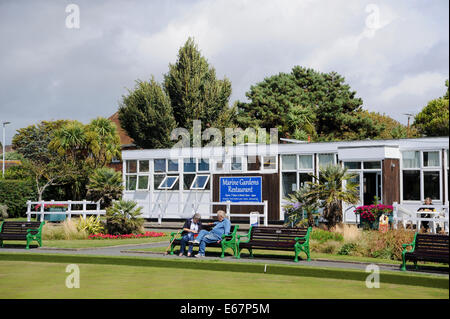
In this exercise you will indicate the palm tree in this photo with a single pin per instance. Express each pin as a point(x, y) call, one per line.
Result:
point(329, 188)
point(105, 185)
point(104, 142)
point(307, 200)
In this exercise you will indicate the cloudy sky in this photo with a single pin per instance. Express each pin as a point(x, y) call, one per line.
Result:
point(395, 54)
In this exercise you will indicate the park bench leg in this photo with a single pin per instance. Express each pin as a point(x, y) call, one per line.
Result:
point(251, 252)
point(415, 265)
point(1, 243)
point(171, 249)
point(403, 268)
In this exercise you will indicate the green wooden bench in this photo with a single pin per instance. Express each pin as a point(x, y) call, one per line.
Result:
point(275, 238)
point(15, 230)
point(426, 247)
point(228, 241)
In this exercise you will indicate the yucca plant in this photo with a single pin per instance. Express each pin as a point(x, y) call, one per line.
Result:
point(123, 218)
point(105, 185)
point(91, 225)
point(329, 188)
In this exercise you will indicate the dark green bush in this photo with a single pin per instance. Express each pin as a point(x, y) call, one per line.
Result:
point(347, 248)
point(14, 194)
point(323, 235)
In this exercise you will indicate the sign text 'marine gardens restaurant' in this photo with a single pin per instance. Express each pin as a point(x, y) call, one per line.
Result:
point(241, 189)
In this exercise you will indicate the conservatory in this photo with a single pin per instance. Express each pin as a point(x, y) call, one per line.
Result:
point(173, 183)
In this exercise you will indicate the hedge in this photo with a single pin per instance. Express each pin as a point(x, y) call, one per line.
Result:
point(14, 194)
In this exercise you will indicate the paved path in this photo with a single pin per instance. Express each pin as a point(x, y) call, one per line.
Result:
point(127, 250)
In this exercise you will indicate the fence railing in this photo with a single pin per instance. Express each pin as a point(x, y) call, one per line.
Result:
point(84, 211)
point(195, 205)
point(410, 214)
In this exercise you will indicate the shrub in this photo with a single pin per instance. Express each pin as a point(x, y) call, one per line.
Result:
point(91, 225)
point(123, 218)
point(105, 185)
point(14, 194)
point(328, 247)
point(324, 236)
point(347, 248)
point(67, 230)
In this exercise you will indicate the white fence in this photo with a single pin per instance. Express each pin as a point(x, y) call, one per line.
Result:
point(195, 205)
point(409, 214)
point(69, 210)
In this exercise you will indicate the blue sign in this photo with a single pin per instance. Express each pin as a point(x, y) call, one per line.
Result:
point(240, 189)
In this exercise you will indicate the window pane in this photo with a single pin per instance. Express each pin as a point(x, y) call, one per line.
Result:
point(189, 165)
point(168, 182)
point(270, 162)
point(411, 159)
point(326, 160)
point(289, 162)
point(157, 179)
point(431, 183)
point(236, 164)
point(303, 178)
point(372, 165)
point(143, 182)
point(187, 181)
point(131, 182)
point(305, 162)
point(144, 167)
point(172, 165)
point(355, 180)
point(253, 163)
point(160, 165)
point(219, 164)
point(132, 166)
point(289, 183)
point(411, 185)
point(200, 182)
point(352, 165)
point(431, 159)
point(203, 165)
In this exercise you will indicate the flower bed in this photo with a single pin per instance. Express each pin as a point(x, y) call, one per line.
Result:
point(127, 236)
point(38, 206)
point(370, 214)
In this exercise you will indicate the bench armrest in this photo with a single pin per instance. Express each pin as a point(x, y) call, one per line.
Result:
point(412, 244)
point(38, 230)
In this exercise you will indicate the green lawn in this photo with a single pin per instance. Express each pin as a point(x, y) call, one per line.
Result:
point(89, 243)
point(124, 281)
point(211, 251)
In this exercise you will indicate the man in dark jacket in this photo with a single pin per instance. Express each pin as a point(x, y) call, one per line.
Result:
point(191, 226)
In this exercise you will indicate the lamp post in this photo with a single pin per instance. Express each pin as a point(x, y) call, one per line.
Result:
point(3, 144)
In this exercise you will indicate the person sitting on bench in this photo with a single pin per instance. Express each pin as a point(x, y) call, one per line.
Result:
point(191, 226)
point(222, 227)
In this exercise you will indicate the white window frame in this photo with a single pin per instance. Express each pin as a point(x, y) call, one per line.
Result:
point(195, 179)
point(168, 187)
point(421, 170)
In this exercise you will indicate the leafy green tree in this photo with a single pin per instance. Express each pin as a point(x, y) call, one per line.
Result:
point(123, 217)
point(33, 141)
point(193, 89)
point(317, 104)
point(329, 188)
point(104, 141)
point(308, 200)
point(433, 120)
point(105, 185)
point(146, 114)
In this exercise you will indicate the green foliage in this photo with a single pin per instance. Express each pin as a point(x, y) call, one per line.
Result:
point(347, 248)
point(105, 185)
point(433, 120)
point(13, 156)
point(193, 90)
point(323, 236)
point(18, 172)
point(146, 114)
point(14, 194)
point(302, 200)
point(329, 189)
point(90, 225)
point(123, 218)
point(306, 102)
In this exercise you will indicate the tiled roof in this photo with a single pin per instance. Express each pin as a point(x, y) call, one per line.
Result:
point(125, 140)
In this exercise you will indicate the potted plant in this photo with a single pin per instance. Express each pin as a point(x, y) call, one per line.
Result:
point(370, 214)
point(52, 208)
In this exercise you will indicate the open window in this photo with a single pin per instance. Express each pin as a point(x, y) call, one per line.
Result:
point(200, 182)
point(168, 182)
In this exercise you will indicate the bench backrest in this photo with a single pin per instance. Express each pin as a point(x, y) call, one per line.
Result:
point(277, 234)
point(14, 227)
point(233, 228)
point(432, 244)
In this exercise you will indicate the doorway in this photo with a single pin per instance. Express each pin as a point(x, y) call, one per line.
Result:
point(372, 187)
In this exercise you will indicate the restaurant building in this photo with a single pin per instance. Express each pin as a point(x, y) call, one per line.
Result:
point(172, 183)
